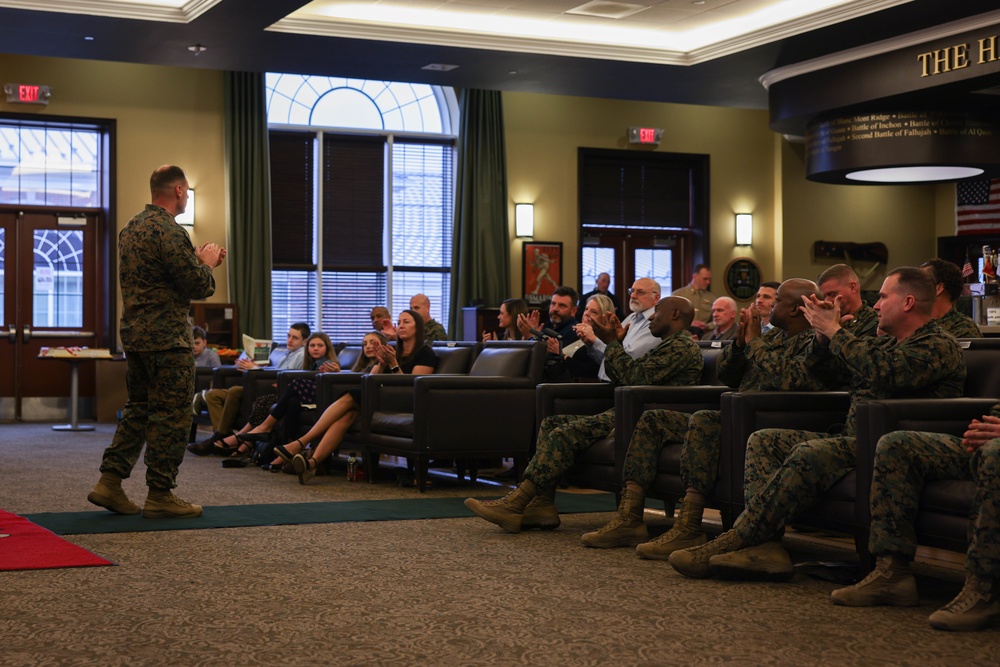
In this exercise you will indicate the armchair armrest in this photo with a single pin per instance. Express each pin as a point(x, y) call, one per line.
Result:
point(487, 412)
point(934, 415)
point(744, 413)
point(385, 393)
point(224, 377)
point(285, 378)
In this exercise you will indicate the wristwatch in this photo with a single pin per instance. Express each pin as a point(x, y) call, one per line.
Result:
point(394, 369)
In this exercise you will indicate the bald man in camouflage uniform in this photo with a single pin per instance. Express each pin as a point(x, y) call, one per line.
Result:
point(787, 469)
point(676, 360)
point(160, 273)
point(776, 360)
point(903, 460)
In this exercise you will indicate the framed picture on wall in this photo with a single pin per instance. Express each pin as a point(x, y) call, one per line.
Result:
point(541, 270)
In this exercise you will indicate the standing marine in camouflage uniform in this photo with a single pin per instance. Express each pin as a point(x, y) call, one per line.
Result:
point(787, 469)
point(903, 460)
point(676, 360)
point(161, 272)
point(775, 360)
point(948, 280)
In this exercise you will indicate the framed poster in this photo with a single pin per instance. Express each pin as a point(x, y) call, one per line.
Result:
point(541, 270)
point(742, 278)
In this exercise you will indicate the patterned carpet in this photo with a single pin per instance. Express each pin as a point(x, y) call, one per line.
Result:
point(431, 592)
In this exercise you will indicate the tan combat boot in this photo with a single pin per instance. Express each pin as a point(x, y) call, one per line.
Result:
point(890, 583)
point(165, 505)
point(506, 512)
point(762, 562)
point(541, 512)
point(975, 607)
point(693, 562)
point(627, 528)
point(685, 533)
point(108, 493)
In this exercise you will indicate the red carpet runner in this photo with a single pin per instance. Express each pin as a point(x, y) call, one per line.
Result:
point(25, 546)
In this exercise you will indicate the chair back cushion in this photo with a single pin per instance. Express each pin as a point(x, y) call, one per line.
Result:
point(982, 378)
point(453, 360)
point(348, 356)
point(710, 356)
point(502, 361)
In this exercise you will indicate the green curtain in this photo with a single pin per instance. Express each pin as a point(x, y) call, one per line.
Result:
point(481, 245)
point(248, 167)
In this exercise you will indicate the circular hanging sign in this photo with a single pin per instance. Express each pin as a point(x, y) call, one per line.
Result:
point(743, 278)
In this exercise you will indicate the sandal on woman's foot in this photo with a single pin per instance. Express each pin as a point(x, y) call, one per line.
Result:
point(223, 449)
point(282, 452)
point(306, 468)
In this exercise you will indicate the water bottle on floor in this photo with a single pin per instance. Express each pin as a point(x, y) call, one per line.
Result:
point(352, 467)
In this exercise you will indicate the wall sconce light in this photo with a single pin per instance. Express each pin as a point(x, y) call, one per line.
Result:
point(524, 219)
point(744, 229)
point(187, 217)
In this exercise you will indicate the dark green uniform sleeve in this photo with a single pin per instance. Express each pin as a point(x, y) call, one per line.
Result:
point(926, 359)
point(675, 361)
point(434, 331)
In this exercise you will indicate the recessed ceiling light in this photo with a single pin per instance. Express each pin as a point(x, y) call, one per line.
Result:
point(439, 67)
point(197, 49)
point(88, 38)
point(913, 174)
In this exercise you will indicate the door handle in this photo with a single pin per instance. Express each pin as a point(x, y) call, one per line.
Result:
point(26, 334)
point(12, 333)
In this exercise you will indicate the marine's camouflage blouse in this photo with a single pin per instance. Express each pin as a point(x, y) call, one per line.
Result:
point(675, 361)
point(775, 361)
point(928, 364)
point(959, 325)
point(160, 274)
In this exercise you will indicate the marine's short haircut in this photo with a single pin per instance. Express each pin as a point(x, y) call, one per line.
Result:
point(164, 179)
point(946, 274)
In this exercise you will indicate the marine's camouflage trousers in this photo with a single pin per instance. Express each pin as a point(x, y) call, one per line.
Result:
point(701, 434)
point(786, 469)
point(158, 413)
point(656, 429)
point(560, 439)
point(904, 460)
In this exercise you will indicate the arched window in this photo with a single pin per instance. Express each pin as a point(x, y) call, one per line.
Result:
point(362, 199)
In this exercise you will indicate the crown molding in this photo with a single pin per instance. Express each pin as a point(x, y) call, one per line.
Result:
point(356, 29)
point(147, 11)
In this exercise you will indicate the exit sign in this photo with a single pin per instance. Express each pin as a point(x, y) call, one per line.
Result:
point(26, 93)
point(645, 135)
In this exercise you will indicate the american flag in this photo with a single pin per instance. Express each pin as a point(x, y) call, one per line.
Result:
point(977, 208)
point(967, 269)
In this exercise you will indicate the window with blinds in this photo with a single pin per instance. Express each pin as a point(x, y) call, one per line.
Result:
point(360, 219)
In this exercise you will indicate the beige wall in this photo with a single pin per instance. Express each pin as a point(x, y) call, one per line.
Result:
point(904, 217)
point(175, 115)
point(544, 132)
point(164, 115)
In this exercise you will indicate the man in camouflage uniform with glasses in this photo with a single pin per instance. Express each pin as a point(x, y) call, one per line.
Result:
point(160, 273)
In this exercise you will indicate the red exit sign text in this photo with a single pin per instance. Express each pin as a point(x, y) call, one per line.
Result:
point(645, 135)
point(26, 93)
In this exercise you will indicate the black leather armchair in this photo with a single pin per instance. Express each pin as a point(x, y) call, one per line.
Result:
point(601, 466)
point(823, 412)
point(488, 413)
point(943, 517)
